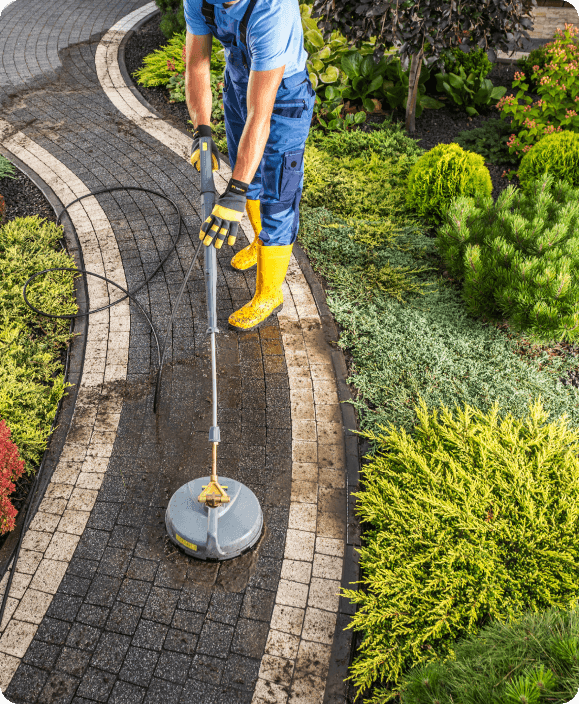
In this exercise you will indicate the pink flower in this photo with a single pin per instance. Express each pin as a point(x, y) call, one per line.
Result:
point(170, 65)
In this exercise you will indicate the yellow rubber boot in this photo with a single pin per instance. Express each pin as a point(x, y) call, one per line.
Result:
point(272, 264)
point(247, 257)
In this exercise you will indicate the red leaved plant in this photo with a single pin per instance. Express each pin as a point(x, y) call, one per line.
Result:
point(11, 469)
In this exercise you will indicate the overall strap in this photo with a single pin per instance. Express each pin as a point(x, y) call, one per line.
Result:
point(208, 12)
point(243, 24)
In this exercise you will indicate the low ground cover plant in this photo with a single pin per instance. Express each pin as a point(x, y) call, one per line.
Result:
point(518, 258)
point(490, 141)
point(366, 260)
point(558, 90)
point(31, 380)
point(544, 646)
point(360, 172)
point(473, 517)
point(11, 469)
point(444, 173)
point(556, 154)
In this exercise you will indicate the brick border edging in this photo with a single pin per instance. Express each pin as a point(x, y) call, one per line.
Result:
point(75, 353)
point(336, 685)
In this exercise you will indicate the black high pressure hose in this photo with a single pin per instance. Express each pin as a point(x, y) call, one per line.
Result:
point(161, 349)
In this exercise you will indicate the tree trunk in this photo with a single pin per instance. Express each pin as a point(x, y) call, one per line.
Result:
point(413, 79)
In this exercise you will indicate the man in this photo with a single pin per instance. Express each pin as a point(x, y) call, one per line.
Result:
point(268, 102)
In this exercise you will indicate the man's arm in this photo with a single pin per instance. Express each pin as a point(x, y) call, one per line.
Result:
point(198, 78)
point(261, 92)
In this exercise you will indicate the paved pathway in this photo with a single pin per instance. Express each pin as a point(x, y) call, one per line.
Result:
point(102, 607)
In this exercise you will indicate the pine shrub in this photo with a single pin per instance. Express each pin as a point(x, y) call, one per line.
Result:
point(556, 154)
point(11, 469)
point(536, 656)
point(443, 173)
point(519, 257)
point(172, 17)
point(474, 517)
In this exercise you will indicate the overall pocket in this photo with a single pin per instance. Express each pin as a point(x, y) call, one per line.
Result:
point(291, 175)
point(289, 108)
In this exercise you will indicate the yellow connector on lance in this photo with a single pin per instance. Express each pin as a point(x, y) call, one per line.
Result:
point(213, 495)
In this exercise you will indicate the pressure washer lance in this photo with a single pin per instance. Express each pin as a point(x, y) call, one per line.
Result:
point(213, 495)
point(203, 519)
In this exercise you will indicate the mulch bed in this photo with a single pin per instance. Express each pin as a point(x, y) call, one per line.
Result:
point(23, 199)
point(144, 41)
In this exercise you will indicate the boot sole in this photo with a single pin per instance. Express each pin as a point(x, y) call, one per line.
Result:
point(247, 268)
point(255, 327)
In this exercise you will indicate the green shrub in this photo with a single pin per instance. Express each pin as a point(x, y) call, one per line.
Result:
point(6, 168)
point(556, 154)
point(475, 61)
point(168, 62)
point(172, 17)
point(31, 381)
point(490, 141)
point(472, 518)
point(519, 257)
point(504, 661)
point(469, 91)
point(367, 176)
point(389, 141)
point(442, 174)
point(537, 57)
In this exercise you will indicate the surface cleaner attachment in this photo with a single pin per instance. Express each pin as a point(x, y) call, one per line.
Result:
point(208, 518)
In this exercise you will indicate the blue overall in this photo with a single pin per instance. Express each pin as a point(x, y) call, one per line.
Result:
point(278, 181)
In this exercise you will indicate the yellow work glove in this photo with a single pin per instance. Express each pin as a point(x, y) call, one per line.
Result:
point(203, 131)
point(225, 216)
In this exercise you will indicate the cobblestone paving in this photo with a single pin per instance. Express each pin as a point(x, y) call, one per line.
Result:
point(104, 608)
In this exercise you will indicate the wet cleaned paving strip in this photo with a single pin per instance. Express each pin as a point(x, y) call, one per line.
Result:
point(103, 607)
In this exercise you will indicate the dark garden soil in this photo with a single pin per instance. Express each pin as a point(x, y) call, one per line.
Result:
point(23, 199)
point(144, 41)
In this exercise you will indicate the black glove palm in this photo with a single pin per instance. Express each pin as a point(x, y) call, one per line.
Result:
point(224, 219)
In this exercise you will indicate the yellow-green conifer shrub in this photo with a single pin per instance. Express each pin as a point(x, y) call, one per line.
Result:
point(443, 173)
point(473, 517)
point(556, 154)
point(518, 257)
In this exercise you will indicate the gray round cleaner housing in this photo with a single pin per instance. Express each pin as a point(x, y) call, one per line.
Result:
point(214, 533)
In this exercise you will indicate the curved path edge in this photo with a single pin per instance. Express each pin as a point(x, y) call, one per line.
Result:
point(73, 366)
point(63, 513)
point(305, 311)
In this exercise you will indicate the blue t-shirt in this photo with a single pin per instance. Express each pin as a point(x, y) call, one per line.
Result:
point(274, 31)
